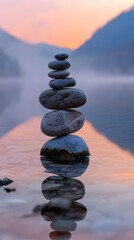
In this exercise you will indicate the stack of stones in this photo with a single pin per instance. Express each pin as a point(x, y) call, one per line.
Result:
point(63, 120)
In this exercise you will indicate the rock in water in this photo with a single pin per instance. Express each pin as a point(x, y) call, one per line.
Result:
point(61, 122)
point(62, 99)
point(59, 65)
point(59, 74)
point(65, 149)
point(61, 83)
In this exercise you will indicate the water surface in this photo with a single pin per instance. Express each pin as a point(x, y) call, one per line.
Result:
point(108, 182)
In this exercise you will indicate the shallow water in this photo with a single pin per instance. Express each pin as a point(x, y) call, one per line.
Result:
point(108, 182)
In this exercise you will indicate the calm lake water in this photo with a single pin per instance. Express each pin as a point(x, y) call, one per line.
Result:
point(105, 211)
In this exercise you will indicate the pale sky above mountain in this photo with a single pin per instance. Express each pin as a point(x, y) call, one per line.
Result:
point(66, 23)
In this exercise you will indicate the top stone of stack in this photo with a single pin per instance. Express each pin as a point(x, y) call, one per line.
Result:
point(61, 56)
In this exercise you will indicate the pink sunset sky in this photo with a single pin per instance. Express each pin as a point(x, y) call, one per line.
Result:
point(66, 23)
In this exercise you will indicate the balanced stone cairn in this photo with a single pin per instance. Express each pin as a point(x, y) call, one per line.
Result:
point(63, 120)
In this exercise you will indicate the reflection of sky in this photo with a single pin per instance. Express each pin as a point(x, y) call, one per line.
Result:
point(108, 182)
point(51, 21)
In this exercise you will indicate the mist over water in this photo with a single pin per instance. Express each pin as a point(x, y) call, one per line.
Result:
point(110, 106)
point(110, 98)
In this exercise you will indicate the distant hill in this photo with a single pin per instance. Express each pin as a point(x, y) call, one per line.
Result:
point(42, 48)
point(19, 48)
point(19, 97)
point(8, 66)
point(111, 48)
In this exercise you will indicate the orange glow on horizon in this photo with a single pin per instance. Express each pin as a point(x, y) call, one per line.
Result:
point(65, 23)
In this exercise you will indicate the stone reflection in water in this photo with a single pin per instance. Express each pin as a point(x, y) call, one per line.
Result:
point(68, 170)
point(64, 188)
point(55, 235)
point(62, 210)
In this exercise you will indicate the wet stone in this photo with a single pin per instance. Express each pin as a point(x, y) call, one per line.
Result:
point(65, 149)
point(61, 122)
point(1, 183)
point(61, 56)
point(59, 74)
point(61, 83)
point(59, 65)
point(7, 181)
point(63, 98)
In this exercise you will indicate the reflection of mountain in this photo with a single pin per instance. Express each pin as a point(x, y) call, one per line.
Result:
point(110, 111)
point(8, 66)
point(111, 48)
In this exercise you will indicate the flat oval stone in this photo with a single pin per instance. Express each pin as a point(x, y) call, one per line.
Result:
point(65, 149)
point(62, 99)
point(61, 83)
point(59, 65)
point(59, 74)
point(61, 56)
point(61, 122)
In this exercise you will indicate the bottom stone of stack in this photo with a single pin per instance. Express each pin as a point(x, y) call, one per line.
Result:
point(65, 149)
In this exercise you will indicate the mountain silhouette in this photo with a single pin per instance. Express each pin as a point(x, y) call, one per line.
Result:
point(111, 48)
